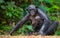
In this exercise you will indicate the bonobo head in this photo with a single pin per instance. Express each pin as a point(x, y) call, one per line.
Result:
point(31, 9)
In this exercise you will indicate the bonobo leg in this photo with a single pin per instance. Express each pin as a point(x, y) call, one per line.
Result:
point(20, 24)
point(49, 29)
point(53, 27)
point(44, 27)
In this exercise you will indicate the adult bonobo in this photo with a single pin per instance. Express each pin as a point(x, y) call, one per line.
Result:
point(40, 21)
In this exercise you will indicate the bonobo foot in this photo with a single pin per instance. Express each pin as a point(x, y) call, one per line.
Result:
point(51, 30)
point(10, 33)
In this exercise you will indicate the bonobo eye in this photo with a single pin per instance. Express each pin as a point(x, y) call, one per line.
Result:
point(32, 12)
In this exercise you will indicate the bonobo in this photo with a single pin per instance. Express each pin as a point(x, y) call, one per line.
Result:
point(40, 21)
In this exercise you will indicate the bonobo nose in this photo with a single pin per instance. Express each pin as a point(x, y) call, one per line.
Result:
point(32, 13)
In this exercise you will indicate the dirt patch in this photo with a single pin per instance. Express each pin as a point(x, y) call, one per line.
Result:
point(32, 36)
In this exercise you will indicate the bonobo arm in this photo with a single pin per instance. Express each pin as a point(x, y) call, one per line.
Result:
point(46, 21)
point(20, 23)
point(42, 14)
point(48, 27)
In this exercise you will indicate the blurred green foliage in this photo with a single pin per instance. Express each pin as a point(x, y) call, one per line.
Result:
point(12, 11)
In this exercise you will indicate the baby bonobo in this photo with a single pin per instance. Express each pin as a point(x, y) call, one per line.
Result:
point(40, 21)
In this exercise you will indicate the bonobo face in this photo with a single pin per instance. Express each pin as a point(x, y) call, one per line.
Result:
point(32, 10)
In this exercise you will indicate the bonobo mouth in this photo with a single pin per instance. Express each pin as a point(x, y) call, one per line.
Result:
point(32, 13)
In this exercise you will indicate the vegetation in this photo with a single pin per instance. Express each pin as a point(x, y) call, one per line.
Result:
point(12, 11)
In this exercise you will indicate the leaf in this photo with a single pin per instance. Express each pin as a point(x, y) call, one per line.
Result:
point(9, 14)
point(20, 9)
point(1, 1)
point(26, 1)
point(57, 32)
point(30, 27)
point(55, 6)
point(3, 7)
point(53, 17)
point(10, 3)
point(40, 0)
point(43, 8)
point(19, 30)
point(47, 1)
